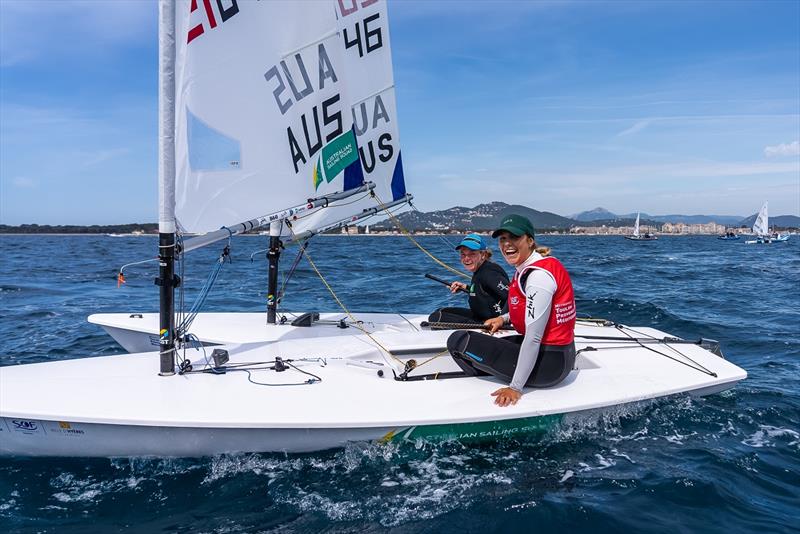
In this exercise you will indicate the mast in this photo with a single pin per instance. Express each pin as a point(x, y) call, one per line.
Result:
point(166, 281)
point(273, 255)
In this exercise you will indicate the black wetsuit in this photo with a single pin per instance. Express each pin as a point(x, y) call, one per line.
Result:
point(488, 297)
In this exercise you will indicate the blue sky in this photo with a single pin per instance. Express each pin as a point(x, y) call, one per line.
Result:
point(660, 107)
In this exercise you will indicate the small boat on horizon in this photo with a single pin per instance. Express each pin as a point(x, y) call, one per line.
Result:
point(761, 229)
point(647, 236)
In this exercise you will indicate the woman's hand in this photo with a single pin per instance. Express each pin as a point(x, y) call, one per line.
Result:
point(494, 324)
point(506, 396)
point(455, 286)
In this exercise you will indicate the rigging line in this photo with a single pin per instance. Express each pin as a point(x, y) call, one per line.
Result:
point(295, 263)
point(699, 367)
point(620, 327)
point(442, 353)
point(408, 235)
point(409, 322)
point(359, 199)
point(309, 213)
point(341, 305)
point(121, 269)
point(190, 316)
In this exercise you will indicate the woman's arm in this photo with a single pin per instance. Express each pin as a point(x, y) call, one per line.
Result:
point(539, 290)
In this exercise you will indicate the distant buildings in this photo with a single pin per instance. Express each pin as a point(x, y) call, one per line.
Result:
point(710, 228)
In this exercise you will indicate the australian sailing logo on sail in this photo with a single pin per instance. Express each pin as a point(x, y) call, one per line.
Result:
point(336, 156)
point(226, 11)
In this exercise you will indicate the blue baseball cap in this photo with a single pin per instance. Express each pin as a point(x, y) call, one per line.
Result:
point(472, 242)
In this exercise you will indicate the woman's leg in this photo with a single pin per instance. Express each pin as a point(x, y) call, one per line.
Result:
point(479, 354)
point(554, 364)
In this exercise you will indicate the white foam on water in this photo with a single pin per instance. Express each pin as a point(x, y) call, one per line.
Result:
point(73, 489)
point(618, 454)
point(406, 489)
point(767, 435)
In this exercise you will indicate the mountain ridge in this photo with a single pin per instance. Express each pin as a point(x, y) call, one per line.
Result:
point(483, 217)
point(487, 216)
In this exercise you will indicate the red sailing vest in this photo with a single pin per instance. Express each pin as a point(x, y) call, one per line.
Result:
point(560, 329)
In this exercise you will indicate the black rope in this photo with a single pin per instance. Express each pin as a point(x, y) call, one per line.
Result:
point(433, 325)
point(295, 263)
point(698, 367)
point(261, 366)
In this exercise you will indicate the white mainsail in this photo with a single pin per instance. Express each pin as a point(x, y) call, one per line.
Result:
point(636, 227)
point(761, 226)
point(265, 93)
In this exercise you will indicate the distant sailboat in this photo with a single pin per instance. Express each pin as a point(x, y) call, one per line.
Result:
point(647, 236)
point(761, 229)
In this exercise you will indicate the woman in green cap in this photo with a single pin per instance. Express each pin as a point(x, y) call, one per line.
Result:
point(541, 307)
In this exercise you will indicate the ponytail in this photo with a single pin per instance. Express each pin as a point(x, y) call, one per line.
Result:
point(542, 251)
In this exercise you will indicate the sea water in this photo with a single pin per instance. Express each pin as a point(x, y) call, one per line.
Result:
point(725, 463)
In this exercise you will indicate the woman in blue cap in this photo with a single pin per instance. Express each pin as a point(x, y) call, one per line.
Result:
point(541, 307)
point(488, 289)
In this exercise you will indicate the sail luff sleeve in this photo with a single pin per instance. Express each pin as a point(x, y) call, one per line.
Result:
point(166, 116)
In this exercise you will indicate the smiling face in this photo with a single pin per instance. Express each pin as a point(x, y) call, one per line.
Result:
point(472, 259)
point(515, 249)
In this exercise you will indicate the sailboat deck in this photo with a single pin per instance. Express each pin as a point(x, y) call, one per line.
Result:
point(126, 389)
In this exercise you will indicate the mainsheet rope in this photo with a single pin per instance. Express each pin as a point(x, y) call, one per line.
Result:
point(408, 235)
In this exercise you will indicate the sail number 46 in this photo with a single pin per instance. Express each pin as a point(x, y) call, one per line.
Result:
point(373, 39)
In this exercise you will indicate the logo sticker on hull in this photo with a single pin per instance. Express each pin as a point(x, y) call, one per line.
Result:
point(25, 426)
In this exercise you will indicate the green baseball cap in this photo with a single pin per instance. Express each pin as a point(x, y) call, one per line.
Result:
point(516, 225)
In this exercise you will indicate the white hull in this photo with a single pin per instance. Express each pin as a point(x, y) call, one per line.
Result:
point(138, 332)
point(119, 406)
point(767, 240)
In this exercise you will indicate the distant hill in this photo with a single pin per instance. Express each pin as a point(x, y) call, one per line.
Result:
point(597, 214)
point(779, 221)
point(148, 228)
point(481, 218)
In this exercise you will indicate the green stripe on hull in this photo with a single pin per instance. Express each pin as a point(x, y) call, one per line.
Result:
point(487, 430)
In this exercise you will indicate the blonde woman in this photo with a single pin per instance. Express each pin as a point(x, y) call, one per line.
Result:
point(541, 306)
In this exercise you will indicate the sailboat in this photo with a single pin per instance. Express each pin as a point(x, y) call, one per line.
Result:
point(281, 115)
point(647, 236)
point(761, 229)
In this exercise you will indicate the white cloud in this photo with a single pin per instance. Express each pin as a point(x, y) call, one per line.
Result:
point(102, 156)
point(638, 127)
point(783, 149)
point(23, 182)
